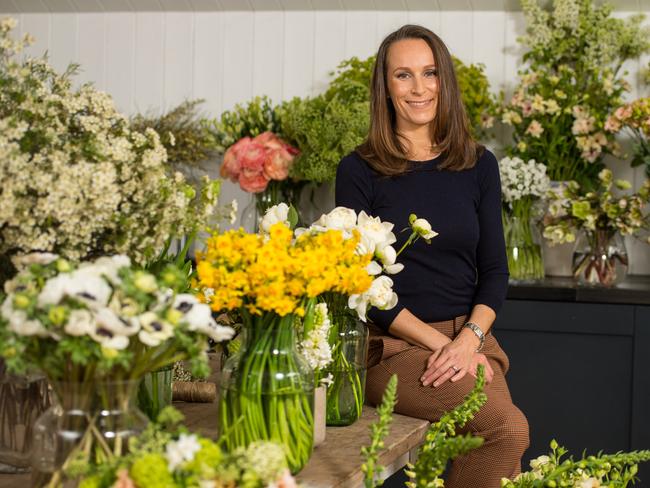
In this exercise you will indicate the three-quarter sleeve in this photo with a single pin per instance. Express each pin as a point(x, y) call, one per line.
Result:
point(491, 261)
point(354, 189)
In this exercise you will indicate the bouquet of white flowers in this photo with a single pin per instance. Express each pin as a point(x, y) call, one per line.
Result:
point(76, 179)
point(522, 185)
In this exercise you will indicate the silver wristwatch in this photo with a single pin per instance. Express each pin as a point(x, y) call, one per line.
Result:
point(479, 333)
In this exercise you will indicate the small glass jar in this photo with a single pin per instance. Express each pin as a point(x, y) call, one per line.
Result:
point(600, 258)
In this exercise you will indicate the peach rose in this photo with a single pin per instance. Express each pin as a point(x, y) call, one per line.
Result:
point(230, 167)
point(277, 164)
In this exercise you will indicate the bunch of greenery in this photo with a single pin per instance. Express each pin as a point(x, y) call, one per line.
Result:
point(572, 83)
point(611, 470)
point(480, 104)
point(327, 127)
point(183, 133)
point(244, 120)
point(378, 431)
point(441, 441)
point(166, 455)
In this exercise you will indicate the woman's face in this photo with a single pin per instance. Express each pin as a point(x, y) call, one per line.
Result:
point(412, 83)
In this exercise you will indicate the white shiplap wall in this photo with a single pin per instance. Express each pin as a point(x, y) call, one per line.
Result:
point(153, 58)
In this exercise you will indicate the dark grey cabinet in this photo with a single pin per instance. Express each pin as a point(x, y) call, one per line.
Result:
point(579, 370)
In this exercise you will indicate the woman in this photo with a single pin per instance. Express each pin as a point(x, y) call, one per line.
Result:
point(419, 158)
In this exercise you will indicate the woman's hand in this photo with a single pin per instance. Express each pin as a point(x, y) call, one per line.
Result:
point(477, 359)
point(454, 360)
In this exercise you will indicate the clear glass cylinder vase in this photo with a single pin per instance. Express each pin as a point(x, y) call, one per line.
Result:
point(267, 390)
point(23, 399)
point(523, 248)
point(90, 423)
point(600, 258)
point(155, 391)
point(346, 391)
point(276, 192)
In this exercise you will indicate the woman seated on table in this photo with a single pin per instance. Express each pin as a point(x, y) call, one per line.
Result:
point(420, 158)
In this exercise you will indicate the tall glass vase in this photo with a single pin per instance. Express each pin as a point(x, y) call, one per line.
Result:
point(155, 391)
point(89, 424)
point(267, 390)
point(23, 399)
point(523, 247)
point(345, 393)
point(600, 258)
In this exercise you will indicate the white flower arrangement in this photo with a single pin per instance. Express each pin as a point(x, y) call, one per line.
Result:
point(102, 318)
point(77, 180)
point(315, 346)
point(521, 179)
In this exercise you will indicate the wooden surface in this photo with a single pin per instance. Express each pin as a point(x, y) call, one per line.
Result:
point(335, 463)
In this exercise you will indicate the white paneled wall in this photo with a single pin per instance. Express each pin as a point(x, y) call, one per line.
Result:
point(152, 60)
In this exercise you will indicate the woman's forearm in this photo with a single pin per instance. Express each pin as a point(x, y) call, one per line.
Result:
point(484, 317)
point(408, 327)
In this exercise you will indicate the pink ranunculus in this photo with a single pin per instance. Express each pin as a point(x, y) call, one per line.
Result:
point(253, 182)
point(269, 140)
point(277, 164)
point(231, 165)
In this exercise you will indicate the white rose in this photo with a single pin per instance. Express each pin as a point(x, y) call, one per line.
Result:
point(275, 214)
point(341, 218)
point(381, 293)
point(380, 233)
point(80, 322)
point(423, 228)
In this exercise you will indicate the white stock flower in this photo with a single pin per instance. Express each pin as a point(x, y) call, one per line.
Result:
point(315, 347)
point(181, 451)
point(275, 214)
point(521, 179)
point(80, 322)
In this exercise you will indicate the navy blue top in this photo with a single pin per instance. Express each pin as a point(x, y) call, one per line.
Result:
point(466, 263)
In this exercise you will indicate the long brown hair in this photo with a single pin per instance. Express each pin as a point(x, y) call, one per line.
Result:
point(450, 133)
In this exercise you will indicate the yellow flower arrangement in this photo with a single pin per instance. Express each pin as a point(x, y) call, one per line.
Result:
point(277, 273)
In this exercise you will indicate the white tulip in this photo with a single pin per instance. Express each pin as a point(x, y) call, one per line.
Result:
point(275, 214)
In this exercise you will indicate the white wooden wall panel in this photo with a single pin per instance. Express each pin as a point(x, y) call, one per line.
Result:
point(487, 46)
point(38, 25)
point(298, 65)
point(149, 62)
point(329, 46)
point(515, 26)
point(238, 58)
point(63, 40)
point(456, 30)
point(427, 18)
point(389, 21)
point(208, 60)
point(120, 56)
point(91, 49)
point(361, 33)
point(178, 68)
point(268, 54)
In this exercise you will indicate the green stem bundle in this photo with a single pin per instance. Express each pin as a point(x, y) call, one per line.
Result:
point(523, 252)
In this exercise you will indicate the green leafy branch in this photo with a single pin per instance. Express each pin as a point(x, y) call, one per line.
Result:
point(378, 432)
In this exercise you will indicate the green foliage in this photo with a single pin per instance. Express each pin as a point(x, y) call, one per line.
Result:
point(244, 120)
point(183, 133)
point(378, 431)
point(611, 470)
point(480, 104)
point(442, 444)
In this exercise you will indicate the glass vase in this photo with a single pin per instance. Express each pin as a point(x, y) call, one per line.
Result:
point(345, 393)
point(155, 391)
point(23, 399)
point(89, 424)
point(267, 390)
point(600, 258)
point(276, 192)
point(523, 248)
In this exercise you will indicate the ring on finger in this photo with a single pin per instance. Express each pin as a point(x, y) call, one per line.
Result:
point(456, 370)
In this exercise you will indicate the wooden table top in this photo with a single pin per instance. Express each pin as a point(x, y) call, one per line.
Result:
point(335, 463)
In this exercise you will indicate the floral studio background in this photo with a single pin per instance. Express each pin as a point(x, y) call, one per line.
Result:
point(151, 55)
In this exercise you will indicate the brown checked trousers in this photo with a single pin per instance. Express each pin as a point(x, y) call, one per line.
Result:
point(499, 422)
